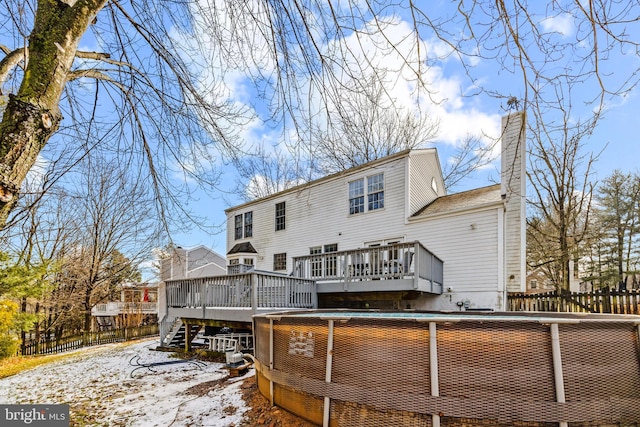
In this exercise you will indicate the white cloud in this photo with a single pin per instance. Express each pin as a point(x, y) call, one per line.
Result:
point(563, 24)
point(396, 53)
point(35, 176)
point(444, 97)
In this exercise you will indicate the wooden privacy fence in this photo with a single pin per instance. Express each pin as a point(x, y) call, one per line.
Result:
point(598, 301)
point(48, 345)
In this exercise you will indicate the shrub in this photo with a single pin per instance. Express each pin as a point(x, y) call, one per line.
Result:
point(9, 342)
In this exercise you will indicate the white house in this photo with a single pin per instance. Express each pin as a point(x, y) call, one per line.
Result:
point(199, 261)
point(182, 263)
point(360, 232)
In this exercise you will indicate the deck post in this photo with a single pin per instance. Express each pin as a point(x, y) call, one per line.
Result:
point(203, 298)
point(432, 263)
point(254, 291)
point(187, 336)
point(314, 295)
point(346, 275)
point(417, 255)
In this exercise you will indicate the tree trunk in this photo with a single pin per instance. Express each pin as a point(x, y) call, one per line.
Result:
point(87, 311)
point(24, 131)
point(32, 115)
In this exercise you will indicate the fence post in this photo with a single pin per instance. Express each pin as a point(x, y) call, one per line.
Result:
point(607, 300)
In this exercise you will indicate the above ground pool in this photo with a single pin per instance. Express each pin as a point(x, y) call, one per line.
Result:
point(370, 368)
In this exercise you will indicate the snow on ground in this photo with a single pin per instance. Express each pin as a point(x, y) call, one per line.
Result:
point(103, 389)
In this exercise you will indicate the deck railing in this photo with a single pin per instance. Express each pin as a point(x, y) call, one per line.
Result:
point(394, 261)
point(253, 290)
point(115, 308)
point(239, 268)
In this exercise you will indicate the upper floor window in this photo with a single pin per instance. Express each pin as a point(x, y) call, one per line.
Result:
point(356, 196)
point(280, 216)
point(374, 193)
point(248, 224)
point(238, 227)
point(243, 225)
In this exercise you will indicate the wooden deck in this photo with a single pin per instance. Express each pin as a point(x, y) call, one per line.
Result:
point(236, 298)
point(389, 268)
point(116, 308)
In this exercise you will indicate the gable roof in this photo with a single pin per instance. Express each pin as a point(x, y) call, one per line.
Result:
point(466, 200)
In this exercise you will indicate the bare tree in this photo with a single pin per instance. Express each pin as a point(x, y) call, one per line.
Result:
point(114, 219)
point(471, 155)
point(137, 97)
point(155, 90)
point(93, 230)
point(364, 125)
point(560, 176)
point(264, 173)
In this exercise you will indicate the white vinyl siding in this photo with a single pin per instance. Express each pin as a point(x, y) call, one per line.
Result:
point(424, 175)
point(318, 215)
point(471, 266)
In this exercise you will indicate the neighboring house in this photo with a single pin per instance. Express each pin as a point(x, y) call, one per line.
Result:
point(195, 262)
point(539, 282)
point(366, 234)
point(138, 305)
point(182, 263)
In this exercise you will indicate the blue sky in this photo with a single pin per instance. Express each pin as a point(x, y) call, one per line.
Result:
point(454, 97)
point(460, 107)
